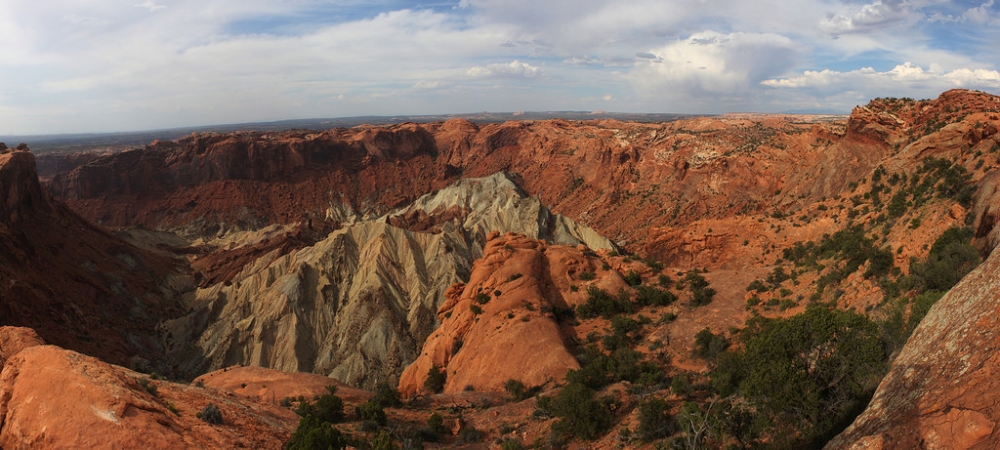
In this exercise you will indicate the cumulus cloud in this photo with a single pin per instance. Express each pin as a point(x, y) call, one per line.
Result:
point(877, 14)
point(979, 15)
point(83, 66)
point(905, 77)
point(710, 64)
point(512, 69)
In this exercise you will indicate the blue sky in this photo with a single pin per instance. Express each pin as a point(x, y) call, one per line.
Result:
point(120, 65)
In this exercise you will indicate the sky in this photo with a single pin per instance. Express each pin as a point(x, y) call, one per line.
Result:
point(71, 66)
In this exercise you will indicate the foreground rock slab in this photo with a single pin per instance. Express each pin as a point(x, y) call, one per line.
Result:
point(56, 398)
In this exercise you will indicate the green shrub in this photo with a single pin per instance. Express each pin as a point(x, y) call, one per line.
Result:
point(148, 386)
point(511, 444)
point(329, 407)
point(314, 434)
point(622, 364)
point(371, 411)
point(951, 258)
point(482, 298)
point(600, 303)
point(808, 375)
point(632, 278)
point(580, 415)
point(653, 296)
point(435, 380)
point(654, 419)
point(701, 294)
point(708, 344)
point(587, 276)
point(469, 435)
point(680, 385)
point(777, 276)
point(757, 285)
point(435, 423)
point(382, 441)
point(702, 297)
point(476, 310)
point(519, 391)
point(387, 396)
point(210, 414)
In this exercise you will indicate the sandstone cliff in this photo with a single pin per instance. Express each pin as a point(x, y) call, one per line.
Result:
point(500, 325)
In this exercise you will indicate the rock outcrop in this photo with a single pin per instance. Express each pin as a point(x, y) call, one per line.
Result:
point(358, 305)
point(56, 398)
point(273, 386)
point(15, 339)
point(501, 324)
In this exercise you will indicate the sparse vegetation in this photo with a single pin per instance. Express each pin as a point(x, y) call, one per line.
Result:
point(435, 380)
point(328, 408)
point(600, 303)
point(518, 391)
point(580, 415)
point(210, 414)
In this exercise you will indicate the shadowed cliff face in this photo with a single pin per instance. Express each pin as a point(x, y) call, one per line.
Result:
point(78, 286)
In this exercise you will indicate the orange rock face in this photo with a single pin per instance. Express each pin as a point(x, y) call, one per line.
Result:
point(271, 386)
point(15, 339)
point(56, 398)
point(500, 326)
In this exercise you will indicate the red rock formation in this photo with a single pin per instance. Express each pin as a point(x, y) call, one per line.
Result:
point(515, 336)
point(15, 339)
point(271, 386)
point(623, 179)
point(56, 398)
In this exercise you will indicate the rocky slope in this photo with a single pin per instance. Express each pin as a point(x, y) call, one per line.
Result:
point(358, 304)
point(940, 393)
point(339, 252)
point(500, 325)
point(56, 398)
point(75, 284)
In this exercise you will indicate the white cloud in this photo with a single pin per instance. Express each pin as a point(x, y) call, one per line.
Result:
point(902, 78)
point(875, 15)
point(514, 68)
point(707, 65)
point(426, 85)
point(150, 5)
point(978, 15)
point(118, 65)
